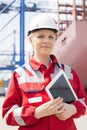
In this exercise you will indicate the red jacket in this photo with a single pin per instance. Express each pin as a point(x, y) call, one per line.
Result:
point(26, 91)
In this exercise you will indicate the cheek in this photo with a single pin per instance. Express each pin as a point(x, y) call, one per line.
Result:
point(35, 46)
point(33, 43)
point(53, 44)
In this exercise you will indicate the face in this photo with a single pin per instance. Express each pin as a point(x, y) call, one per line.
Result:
point(43, 41)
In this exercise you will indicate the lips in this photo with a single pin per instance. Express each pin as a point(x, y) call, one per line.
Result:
point(45, 46)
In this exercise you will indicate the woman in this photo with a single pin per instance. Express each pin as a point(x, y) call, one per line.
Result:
point(27, 104)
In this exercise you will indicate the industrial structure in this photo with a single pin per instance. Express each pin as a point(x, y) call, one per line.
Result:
point(76, 11)
point(13, 54)
point(71, 46)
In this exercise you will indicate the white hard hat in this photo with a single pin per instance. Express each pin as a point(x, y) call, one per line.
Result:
point(43, 21)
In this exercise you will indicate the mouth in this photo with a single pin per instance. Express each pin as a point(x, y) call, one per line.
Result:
point(45, 47)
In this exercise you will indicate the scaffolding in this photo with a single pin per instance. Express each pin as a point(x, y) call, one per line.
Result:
point(67, 13)
point(12, 42)
point(20, 8)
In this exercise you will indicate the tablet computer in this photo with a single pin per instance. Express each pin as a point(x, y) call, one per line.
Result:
point(60, 86)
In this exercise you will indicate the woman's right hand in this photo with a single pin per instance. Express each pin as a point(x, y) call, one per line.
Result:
point(51, 107)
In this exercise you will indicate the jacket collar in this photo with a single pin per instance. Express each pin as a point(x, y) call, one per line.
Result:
point(36, 65)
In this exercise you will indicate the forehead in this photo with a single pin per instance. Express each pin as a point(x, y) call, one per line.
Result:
point(44, 31)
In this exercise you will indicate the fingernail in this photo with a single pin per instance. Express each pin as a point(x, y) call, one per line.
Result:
point(64, 109)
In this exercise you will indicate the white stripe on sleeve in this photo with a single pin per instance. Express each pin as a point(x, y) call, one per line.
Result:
point(17, 116)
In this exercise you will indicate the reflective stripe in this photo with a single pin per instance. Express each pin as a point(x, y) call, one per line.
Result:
point(24, 77)
point(82, 100)
point(10, 110)
point(67, 70)
point(55, 71)
point(17, 116)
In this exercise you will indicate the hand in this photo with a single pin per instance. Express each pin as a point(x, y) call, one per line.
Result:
point(69, 110)
point(49, 108)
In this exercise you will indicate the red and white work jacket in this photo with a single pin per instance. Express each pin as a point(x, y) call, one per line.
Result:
point(26, 91)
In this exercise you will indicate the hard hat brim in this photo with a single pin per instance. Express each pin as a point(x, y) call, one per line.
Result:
point(32, 31)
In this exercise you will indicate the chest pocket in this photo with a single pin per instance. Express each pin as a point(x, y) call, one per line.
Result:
point(29, 80)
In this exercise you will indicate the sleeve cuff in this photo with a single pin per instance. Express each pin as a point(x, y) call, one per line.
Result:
point(80, 109)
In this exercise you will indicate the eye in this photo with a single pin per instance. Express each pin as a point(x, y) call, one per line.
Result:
point(40, 36)
point(51, 37)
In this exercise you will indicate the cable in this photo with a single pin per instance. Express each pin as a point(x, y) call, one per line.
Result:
point(6, 37)
point(7, 6)
point(8, 22)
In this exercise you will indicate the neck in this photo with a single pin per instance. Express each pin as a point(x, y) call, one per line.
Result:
point(43, 59)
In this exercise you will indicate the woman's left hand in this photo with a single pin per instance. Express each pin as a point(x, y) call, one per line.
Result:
point(69, 110)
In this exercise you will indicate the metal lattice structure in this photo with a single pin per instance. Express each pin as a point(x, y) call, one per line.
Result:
point(21, 7)
point(67, 13)
point(11, 56)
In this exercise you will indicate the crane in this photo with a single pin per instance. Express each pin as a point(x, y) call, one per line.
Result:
point(21, 7)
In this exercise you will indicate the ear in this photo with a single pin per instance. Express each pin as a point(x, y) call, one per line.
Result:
point(30, 39)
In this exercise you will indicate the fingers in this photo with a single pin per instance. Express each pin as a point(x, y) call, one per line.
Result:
point(57, 100)
point(66, 111)
point(51, 107)
point(60, 108)
point(57, 105)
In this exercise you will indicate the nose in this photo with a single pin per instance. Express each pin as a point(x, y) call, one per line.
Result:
point(46, 39)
